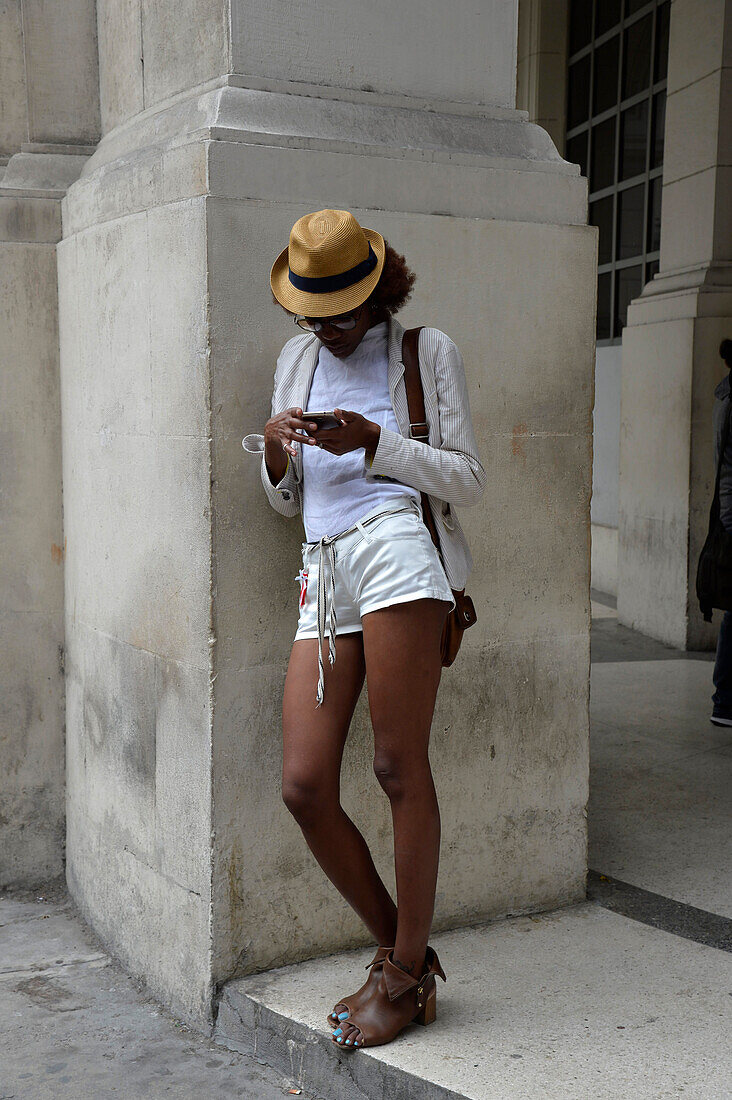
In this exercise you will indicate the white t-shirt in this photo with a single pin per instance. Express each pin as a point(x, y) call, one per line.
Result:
point(335, 490)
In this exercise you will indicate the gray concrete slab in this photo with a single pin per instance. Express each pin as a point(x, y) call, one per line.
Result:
point(602, 611)
point(660, 814)
point(660, 912)
point(577, 1003)
point(614, 643)
point(74, 1026)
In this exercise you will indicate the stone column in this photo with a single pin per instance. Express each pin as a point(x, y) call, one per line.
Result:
point(181, 600)
point(670, 360)
point(49, 122)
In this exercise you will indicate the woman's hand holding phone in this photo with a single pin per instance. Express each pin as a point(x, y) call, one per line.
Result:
point(353, 431)
point(349, 432)
point(281, 433)
point(323, 419)
point(286, 429)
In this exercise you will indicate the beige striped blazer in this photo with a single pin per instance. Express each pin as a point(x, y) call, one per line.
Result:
point(448, 468)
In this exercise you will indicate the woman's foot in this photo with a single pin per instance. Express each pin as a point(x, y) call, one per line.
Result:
point(348, 1005)
point(396, 1000)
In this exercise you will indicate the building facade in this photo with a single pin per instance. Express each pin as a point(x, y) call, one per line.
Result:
point(149, 182)
point(647, 115)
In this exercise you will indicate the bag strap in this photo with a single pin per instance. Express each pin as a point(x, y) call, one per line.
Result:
point(418, 426)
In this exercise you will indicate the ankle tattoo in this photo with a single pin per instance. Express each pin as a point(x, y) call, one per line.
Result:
point(409, 968)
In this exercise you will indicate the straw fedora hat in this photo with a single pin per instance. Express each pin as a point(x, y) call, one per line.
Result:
point(330, 266)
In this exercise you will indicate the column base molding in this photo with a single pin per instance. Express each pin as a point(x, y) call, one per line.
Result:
point(704, 290)
point(43, 170)
point(429, 161)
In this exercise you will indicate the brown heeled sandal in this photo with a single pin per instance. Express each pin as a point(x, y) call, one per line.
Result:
point(350, 1004)
point(397, 999)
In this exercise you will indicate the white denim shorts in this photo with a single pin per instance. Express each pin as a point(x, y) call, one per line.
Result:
point(387, 558)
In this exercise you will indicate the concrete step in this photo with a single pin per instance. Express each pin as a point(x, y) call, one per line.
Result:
point(574, 1004)
point(307, 1055)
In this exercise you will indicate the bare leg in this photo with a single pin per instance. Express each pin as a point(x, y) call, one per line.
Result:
point(403, 663)
point(313, 742)
point(403, 668)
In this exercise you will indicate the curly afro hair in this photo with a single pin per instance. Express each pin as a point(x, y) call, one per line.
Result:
point(395, 284)
point(393, 289)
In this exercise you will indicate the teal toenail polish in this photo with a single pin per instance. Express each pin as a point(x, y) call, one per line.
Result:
point(342, 1015)
point(348, 1041)
point(340, 1040)
point(338, 1031)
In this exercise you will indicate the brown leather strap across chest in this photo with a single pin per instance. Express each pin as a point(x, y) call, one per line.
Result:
point(463, 613)
point(418, 426)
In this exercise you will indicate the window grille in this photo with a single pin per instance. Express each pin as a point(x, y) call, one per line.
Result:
point(616, 110)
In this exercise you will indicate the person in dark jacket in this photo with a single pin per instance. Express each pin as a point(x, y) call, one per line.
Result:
point(722, 697)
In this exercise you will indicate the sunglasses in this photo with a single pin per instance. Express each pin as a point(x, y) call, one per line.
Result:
point(315, 324)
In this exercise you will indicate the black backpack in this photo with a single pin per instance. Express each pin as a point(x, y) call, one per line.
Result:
point(714, 571)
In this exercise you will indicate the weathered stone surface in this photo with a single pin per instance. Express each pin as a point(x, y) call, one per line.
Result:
point(62, 77)
point(13, 112)
point(49, 110)
point(407, 50)
point(538, 986)
point(31, 555)
point(137, 516)
point(52, 172)
point(670, 345)
point(150, 51)
point(20, 220)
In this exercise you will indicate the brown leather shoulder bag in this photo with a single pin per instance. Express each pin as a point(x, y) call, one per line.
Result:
point(463, 614)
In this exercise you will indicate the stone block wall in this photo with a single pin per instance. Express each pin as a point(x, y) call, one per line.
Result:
point(135, 415)
point(32, 830)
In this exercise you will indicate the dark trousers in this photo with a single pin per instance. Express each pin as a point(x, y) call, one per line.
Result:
point(722, 698)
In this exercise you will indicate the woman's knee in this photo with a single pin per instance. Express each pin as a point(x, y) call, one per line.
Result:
point(400, 775)
point(306, 795)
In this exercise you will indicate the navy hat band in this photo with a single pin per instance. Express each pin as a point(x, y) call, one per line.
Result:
point(326, 283)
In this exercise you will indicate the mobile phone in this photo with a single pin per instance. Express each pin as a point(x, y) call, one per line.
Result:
point(322, 419)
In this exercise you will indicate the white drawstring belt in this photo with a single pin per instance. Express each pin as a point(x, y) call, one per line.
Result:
point(326, 550)
point(326, 544)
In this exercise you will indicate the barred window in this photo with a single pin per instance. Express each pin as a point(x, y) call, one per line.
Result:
point(616, 108)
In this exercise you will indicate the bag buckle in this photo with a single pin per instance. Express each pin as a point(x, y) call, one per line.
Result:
point(423, 433)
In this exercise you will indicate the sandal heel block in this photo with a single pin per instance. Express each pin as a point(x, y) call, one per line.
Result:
point(428, 1012)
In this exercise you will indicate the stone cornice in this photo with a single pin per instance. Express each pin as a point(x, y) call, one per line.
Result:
point(244, 143)
point(45, 171)
point(254, 116)
point(702, 290)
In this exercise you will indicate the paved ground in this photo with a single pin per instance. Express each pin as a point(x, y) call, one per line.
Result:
point(660, 808)
point(627, 996)
point(74, 1026)
point(581, 1003)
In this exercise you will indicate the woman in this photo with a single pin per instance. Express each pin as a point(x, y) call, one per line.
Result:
point(371, 571)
